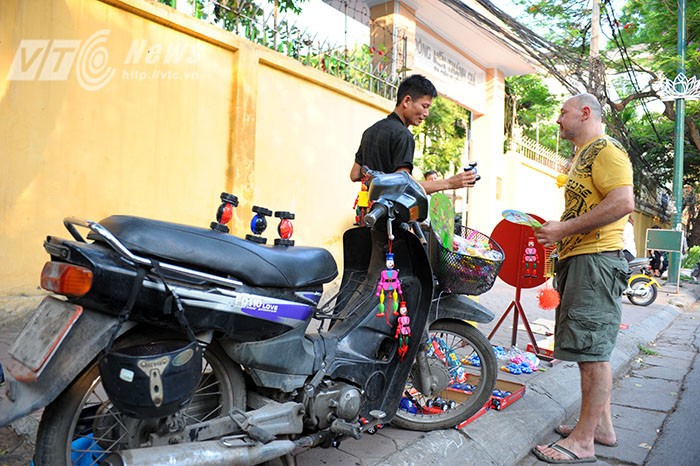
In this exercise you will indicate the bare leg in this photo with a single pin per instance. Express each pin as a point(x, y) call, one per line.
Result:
point(596, 387)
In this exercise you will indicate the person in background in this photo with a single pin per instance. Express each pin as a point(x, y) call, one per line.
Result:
point(629, 247)
point(388, 145)
point(430, 175)
point(659, 260)
point(591, 272)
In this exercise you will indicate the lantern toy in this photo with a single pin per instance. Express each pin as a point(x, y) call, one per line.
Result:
point(224, 213)
point(258, 224)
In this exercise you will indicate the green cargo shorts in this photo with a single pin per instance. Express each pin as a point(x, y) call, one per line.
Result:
point(589, 314)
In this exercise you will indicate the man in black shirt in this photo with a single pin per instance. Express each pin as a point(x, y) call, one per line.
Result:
point(388, 145)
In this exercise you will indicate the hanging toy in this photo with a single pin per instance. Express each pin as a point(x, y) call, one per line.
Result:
point(389, 282)
point(530, 258)
point(361, 205)
point(548, 298)
point(362, 201)
point(403, 330)
point(561, 179)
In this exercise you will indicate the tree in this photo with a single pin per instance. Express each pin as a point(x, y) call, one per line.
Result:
point(640, 51)
point(442, 136)
point(533, 107)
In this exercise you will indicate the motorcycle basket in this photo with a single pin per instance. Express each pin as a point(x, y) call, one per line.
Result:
point(464, 273)
point(152, 380)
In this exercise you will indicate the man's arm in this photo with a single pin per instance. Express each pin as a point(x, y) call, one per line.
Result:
point(462, 179)
point(618, 203)
point(356, 172)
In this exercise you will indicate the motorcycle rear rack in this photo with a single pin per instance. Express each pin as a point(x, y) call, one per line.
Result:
point(71, 222)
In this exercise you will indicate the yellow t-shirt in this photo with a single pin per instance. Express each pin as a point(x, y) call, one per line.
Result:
point(598, 167)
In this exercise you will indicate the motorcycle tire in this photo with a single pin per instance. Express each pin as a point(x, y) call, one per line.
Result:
point(456, 404)
point(81, 426)
point(650, 292)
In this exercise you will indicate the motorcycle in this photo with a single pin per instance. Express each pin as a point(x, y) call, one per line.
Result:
point(642, 288)
point(164, 343)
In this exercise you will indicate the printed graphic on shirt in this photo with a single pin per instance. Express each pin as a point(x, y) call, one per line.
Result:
point(581, 194)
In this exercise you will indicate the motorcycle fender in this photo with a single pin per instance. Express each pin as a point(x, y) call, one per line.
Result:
point(459, 307)
point(647, 277)
point(82, 343)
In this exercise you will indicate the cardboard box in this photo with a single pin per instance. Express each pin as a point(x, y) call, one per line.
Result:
point(517, 391)
point(546, 347)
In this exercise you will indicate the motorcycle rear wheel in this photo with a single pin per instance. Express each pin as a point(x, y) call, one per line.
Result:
point(646, 295)
point(81, 427)
point(465, 342)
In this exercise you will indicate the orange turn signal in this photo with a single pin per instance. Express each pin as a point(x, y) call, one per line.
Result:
point(66, 279)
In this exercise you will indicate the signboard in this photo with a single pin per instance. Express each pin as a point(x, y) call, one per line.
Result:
point(453, 75)
point(667, 240)
point(664, 240)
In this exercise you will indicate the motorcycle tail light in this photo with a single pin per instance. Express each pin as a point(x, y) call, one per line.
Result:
point(66, 279)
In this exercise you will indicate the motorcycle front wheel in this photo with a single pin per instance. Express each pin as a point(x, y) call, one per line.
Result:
point(642, 292)
point(81, 427)
point(463, 366)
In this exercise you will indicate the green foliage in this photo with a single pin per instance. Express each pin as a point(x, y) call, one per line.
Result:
point(535, 108)
point(442, 137)
point(692, 258)
point(567, 21)
point(652, 24)
point(647, 351)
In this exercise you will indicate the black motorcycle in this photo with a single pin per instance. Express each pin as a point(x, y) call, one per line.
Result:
point(171, 344)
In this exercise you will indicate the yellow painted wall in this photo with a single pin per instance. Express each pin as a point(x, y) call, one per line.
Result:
point(158, 113)
point(162, 137)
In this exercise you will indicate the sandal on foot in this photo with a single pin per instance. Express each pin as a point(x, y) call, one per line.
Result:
point(565, 430)
point(573, 458)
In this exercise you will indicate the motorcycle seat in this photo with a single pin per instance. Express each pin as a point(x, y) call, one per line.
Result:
point(253, 263)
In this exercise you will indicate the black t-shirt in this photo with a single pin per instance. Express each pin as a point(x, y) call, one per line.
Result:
point(386, 146)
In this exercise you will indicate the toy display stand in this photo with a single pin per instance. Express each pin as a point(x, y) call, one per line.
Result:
point(523, 267)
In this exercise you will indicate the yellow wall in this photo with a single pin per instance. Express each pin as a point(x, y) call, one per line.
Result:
point(163, 139)
point(159, 113)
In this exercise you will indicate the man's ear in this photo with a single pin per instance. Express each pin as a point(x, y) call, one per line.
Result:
point(406, 101)
point(586, 112)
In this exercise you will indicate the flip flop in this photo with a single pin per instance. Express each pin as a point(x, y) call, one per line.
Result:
point(573, 458)
point(565, 434)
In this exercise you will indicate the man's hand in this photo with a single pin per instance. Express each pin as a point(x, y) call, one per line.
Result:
point(462, 179)
point(550, 233)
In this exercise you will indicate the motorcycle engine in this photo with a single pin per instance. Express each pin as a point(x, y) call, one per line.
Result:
point(330, 401)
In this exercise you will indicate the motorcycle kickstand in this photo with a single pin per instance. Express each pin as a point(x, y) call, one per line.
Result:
point(289, 460)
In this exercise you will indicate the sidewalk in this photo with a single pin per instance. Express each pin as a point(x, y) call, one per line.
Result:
point(505, 438)
point(498, 437)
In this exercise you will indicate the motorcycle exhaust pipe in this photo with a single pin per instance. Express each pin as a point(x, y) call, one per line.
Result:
point(233, 451)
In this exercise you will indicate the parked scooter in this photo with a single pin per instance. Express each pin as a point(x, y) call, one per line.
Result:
point(642, 288)
point(171, 344)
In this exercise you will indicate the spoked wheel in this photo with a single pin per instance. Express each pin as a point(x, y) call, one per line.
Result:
point(462, 373)
point(643, 292)
point(81, 427)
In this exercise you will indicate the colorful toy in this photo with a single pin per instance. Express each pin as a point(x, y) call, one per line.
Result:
point(403, 330)
point(521, 218)
point(389, 282)
point(361, 204)
point(531, 259)
point(442, 219)
point(561, 179)
point(285, 229)
point(548, 298)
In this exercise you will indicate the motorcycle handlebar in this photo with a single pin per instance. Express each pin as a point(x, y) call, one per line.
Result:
point(378, 211)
